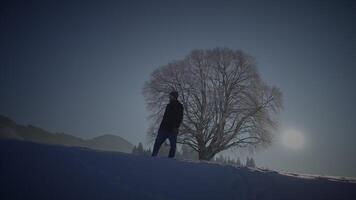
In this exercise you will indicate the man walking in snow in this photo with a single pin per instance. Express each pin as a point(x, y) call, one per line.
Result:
point(169, 126)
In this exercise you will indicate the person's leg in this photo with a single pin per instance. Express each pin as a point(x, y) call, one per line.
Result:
point(173, 142)
point(161, 137)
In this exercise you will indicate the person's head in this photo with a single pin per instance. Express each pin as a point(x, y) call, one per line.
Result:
point(173, 95)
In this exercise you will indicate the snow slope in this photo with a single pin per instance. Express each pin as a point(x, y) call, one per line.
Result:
point(37, 171)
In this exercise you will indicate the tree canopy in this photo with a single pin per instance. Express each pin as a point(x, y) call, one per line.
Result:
point(226, 103)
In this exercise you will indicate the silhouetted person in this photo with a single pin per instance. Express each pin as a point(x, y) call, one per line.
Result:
point(169, 126)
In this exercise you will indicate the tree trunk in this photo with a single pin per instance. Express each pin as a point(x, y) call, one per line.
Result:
point(205, 155)
point(202, 154)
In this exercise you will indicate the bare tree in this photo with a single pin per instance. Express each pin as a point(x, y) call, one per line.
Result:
point(226, 103)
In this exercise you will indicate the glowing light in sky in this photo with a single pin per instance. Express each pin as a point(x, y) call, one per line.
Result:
point(293, 139)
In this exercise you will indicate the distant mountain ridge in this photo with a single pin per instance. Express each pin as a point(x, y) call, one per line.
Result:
point(9, 129)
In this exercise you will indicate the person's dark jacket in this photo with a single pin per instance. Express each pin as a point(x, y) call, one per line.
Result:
point(173, 116)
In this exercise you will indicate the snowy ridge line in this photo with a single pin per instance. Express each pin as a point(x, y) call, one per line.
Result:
point(316, 176)
point(291, 174)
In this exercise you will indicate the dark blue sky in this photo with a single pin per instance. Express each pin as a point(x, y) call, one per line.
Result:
point(79, 67)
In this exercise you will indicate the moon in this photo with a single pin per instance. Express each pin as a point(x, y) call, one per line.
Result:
point(293, 139)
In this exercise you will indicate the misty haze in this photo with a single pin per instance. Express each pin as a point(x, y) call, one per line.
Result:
point(178, 100)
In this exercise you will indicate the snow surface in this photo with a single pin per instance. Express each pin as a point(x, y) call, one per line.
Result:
point(37, 171)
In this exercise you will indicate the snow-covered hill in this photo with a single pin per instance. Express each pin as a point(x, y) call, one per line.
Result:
point(37, 171)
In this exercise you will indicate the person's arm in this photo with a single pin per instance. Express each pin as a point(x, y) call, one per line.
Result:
point(180, 115)
point(169, 116)
point(178, 118)
point(166, 112)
